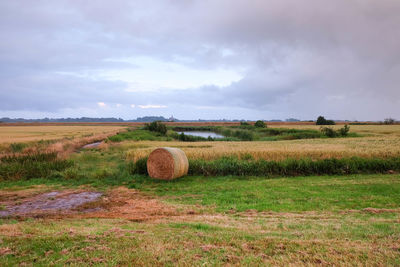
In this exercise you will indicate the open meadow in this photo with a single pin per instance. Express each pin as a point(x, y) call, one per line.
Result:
point(288, 196)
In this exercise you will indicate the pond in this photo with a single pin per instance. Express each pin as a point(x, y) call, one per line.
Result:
point(202, 134)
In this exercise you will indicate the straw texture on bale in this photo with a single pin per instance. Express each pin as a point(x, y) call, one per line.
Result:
point(167, 163)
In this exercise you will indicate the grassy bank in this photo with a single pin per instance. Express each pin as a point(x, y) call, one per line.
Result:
point(38, 165)
point(230, 133)
point(289, 167)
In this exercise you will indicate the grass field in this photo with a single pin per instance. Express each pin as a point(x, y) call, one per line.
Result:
point(345, 220)
point(17, 134)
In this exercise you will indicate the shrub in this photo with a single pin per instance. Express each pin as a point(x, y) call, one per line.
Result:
point(260, 124)
point(156, 126)
point(345, 130)
point(138, 167)
point(328, 131)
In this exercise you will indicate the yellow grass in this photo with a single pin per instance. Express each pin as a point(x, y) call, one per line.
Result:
point(362, 129)
point(381, 141)
point(17, 134)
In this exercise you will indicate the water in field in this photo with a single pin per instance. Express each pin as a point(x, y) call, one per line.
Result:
point(202, 134)
point(93, 145)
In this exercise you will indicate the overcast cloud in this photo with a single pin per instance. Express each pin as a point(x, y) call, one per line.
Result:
point(243, 59)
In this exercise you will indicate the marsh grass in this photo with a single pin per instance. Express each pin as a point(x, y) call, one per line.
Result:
point(38, 165)
point(289, 167)
point(139, 135)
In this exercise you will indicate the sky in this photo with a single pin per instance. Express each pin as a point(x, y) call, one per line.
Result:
point(200, 59)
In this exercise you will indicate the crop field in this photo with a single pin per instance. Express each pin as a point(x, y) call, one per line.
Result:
point(16, 134)
point(289, 196)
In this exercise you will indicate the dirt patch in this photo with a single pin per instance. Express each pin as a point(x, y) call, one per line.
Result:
point(134, 205)
point(117, 203)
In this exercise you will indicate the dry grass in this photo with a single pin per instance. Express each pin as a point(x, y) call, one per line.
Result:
point(381, 130)
point(17, 134)
point(373, 146)
point(381, 141)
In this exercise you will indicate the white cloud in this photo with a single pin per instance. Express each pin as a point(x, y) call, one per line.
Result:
point(132, 105)
point(101, 104)
point(152, 106)
point(118, 105)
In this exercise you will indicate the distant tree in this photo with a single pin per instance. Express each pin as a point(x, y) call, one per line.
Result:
point(389, 121)
point(322, 121)
point(260, 124)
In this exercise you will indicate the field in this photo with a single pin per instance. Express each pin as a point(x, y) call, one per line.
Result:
point(26, 133)
point(346, 218)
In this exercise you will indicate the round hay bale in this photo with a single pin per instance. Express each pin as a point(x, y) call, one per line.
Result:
point(167, 163)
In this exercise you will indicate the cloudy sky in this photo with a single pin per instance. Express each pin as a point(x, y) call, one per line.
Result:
point(208, 59)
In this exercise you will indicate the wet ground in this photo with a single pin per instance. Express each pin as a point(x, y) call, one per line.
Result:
point(116, 203)
point(92, 145)
point(52, 202)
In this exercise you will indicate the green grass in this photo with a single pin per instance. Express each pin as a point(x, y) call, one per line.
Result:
point(252, 133)
point(313, 220)
point(231, 133)
point(39, 165)
point(315, 193)
point(289, 167)
point(138, 135)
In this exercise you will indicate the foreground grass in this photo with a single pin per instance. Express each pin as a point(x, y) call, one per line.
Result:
point(301, 221)
point(278, 240)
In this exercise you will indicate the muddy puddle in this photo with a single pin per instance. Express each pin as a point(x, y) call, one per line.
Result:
point(92, 145)
point(118, 202)
point(49, 203)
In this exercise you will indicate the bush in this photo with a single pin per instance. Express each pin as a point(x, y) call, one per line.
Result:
point(156, 126)
point(345, 130)
point(138, 167)
point(328, 131)
point(260, 124)
point(322, 121)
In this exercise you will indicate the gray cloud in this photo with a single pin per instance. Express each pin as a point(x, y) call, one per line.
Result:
point(297, 58)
